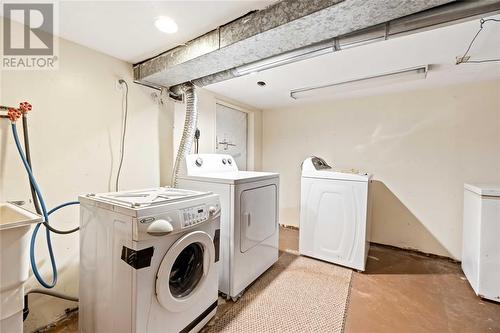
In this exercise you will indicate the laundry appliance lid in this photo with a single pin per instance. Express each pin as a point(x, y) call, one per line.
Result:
point(336, 175)
point(232, 177)
point(490, 190)
point(147, 197)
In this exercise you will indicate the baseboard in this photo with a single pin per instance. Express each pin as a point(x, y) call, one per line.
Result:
point(416, 251)
point(405, 249)
point(63, 319)
point(286, 226)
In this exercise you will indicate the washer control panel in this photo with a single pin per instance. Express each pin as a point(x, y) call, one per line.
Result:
point(177, 217)
point(194, 215)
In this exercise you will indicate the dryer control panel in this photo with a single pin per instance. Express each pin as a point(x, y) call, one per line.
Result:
point(198, 164)
point(315, 163)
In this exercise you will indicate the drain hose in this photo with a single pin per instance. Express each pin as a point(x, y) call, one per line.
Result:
point(45, 217)
point(188, 133)
point(45, 214)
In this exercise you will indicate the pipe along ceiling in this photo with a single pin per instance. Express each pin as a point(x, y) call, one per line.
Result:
point(291, 30)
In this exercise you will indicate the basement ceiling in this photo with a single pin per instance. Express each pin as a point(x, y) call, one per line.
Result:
point(286, 26)
point(437, 47)
point(125, 29)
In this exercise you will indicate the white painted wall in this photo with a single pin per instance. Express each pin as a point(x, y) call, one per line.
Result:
point(421, 147)
point(75, 129)
point(207, 102)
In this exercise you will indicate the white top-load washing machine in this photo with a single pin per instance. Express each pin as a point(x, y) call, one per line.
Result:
point(249, 216)
point(334, 214)
point(148, 261)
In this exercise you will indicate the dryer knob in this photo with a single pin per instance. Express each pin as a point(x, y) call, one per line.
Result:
point(160, 228)
point(198, 162)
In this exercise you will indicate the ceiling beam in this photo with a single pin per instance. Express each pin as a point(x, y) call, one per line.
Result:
point(283, 27)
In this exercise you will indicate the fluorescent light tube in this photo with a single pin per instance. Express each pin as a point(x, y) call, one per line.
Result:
point(404, 75)
point(282, 59)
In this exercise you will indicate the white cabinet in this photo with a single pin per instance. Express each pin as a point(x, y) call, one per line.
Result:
point(481, 246)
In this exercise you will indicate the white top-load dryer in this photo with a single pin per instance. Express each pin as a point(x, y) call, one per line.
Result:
point(148, 261)
point(249, 216)
point(334, 214)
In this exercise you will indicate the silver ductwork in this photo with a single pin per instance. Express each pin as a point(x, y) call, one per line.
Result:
point(190, 124)
point(291, 27)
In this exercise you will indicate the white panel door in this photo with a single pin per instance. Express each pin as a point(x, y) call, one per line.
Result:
point(231, 134)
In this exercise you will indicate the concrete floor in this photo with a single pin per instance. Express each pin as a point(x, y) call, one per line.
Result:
point(407, 292)
point(402, 292)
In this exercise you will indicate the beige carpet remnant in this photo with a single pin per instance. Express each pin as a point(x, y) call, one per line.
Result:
point(298, 294)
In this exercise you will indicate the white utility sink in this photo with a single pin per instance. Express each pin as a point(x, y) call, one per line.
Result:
point(12, 216)
point(15, 224)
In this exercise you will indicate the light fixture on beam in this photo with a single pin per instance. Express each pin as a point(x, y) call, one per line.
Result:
point(404, 75)
point(166, 24)
point(283, 59)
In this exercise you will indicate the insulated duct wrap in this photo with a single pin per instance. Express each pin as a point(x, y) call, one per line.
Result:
point(190, 123)
point(296, 26)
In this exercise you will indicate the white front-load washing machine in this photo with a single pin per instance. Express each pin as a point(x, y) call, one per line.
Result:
point(249, 216)
point(334, 214)
point(148, 261)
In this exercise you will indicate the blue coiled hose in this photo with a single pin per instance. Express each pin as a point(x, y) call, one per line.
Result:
point(49, 245)
point(62, 206)
point(45, 214)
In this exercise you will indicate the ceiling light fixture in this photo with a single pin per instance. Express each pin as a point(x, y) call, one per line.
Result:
point(166, 24)
point(404, 75)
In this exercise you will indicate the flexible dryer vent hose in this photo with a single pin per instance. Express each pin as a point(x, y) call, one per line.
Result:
point(190, 123)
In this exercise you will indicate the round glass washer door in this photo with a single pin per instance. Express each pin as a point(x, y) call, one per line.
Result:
point(183, 271)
